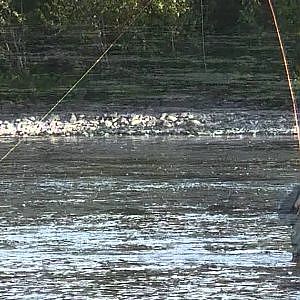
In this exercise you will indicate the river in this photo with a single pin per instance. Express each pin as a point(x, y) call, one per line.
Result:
point(151, 215)
point(146, 218)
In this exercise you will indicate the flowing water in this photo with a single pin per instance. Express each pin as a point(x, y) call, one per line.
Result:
point(146, 218)
point(153, 217)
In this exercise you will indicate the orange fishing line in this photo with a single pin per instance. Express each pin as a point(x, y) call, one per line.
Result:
point(294, 101)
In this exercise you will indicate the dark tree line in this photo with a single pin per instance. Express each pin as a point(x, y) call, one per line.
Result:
point(220, 15)
point(22, 21)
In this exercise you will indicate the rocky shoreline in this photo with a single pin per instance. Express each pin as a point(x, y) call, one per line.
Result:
point(184, 123)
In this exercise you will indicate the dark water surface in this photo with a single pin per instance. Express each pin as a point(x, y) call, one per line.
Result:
point(149, 69)
point(146, 218)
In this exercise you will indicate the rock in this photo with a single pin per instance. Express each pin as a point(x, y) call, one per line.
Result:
point(73, 118)
point(124, 121)
point(168, 124)
point(108, 124)
point(172, 118)
point(136, 120)
point(163, 116)
point(184, 115)
point(195, 122)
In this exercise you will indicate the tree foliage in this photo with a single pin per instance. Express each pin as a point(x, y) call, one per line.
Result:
point(181, 15)
point(20, 20)
point(7, 14)
point(219, 14)
point(256, 14)
point(95, 12)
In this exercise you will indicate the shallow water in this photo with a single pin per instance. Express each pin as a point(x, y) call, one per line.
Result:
point(146, 218)
point(223, 123)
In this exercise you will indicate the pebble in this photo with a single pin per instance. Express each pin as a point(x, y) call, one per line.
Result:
point(108, 123)
point(73, 118)
point(172, 118)
point(195, 122)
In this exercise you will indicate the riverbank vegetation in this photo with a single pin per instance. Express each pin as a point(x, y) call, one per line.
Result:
point(24, 54)
point(219, 15)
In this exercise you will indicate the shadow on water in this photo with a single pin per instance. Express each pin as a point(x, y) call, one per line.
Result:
point(146, 218)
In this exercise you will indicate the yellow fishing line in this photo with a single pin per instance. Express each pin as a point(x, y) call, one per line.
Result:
point(125, 29)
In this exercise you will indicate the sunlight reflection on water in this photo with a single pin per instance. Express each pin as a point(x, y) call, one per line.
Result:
point(136, 218)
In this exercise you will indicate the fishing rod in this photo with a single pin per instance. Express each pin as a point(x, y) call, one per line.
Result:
point(117, 38)
point(285, 62)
